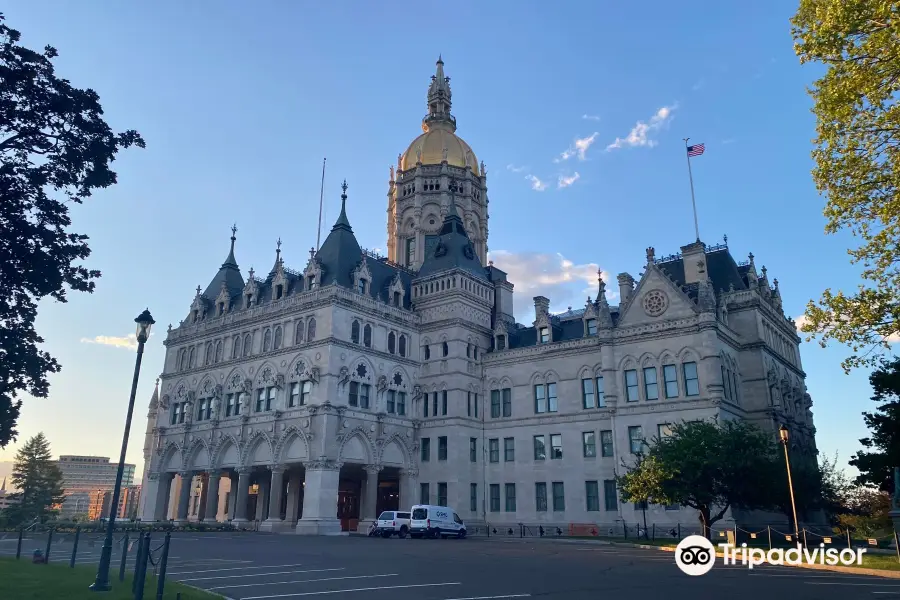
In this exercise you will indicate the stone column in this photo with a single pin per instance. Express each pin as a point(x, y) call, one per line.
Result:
point(293, 496)
point(201, 502)
point(262, 498)
point(232, 494)
point(409, 493)
point(162, 496)
point(212, 498)
point(370, 506)
point(320, 499)
point(184, 496)
point(240, 501)
point(276, 490)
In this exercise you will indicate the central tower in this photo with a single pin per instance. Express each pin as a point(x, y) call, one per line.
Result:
point(437, 165)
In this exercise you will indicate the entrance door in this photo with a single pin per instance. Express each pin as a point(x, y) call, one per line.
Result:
point(348, 504)
point(388, 496)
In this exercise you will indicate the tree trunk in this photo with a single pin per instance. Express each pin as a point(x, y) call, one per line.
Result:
point(704, 522)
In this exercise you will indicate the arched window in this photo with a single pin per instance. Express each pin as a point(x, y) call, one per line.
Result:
point(468, 350)
point(236, 347)
point(354, 332)
point(209, 353)
point(367, 336)
point(446, 348)
point(219, 351)
point(427, 352)
point(184, 358)
point(475, 352)
point(191, 358)
point(392, 340)
point(311, 329)
point(402, 345)
point(298, 335)
point(277, 343)
point(267, 340)
point(248, 344)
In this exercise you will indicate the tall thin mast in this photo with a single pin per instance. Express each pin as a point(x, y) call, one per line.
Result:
point(321, 200)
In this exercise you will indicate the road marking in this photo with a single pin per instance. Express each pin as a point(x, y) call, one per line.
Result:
point(854, 584)
point(232, 569)
point(223, 587)
point(260, 574)
point(368, 589)
point(493, 597)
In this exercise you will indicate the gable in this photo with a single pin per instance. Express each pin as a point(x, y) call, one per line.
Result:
point(656, 298)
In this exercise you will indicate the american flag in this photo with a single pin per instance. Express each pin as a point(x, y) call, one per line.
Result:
point(695, 150)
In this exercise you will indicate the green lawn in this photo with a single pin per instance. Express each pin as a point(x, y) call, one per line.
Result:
point(24, 580)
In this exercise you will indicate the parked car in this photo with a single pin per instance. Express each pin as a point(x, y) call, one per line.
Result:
point(392, 522)
point(432, 521)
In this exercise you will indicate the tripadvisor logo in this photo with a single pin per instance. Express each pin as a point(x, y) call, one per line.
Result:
point(696, 555)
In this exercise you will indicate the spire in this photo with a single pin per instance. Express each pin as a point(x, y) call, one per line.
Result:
point(439, 100)
point(3, 487)
point(342, 221)
point(229, 273)
point(154, 399)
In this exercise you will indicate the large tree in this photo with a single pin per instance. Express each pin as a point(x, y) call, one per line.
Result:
point(882, 448)
point(857, 163)
point(55, 150)
point(38, 480)
point(704, 465)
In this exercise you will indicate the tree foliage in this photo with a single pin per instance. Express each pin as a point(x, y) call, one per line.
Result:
point(39, 482)
point(55, 149)
point(867, 512)
point(882, 448)
point(857, 163)
point(707, 466)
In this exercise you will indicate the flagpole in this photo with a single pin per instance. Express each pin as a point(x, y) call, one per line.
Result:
point(321, 198)
point(691, 179)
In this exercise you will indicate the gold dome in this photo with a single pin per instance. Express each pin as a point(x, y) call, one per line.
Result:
point(431, 145)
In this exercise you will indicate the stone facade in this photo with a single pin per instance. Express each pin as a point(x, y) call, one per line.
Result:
point(311, 400)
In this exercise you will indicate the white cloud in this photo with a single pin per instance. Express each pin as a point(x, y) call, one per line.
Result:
point(728, 141)
point(640, 133)
point(550, 275)
point(590, 117)
point(567, 181)
point(579, 148)
point(516, 169)
point(129, 342)
point(536, 184)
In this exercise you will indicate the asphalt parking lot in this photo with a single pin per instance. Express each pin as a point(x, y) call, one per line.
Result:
point(264, 566)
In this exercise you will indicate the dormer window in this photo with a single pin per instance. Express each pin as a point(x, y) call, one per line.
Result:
point(592, 326)
point(545, 335)
point(221, 308)
point(501, 342)
point(248, 300)
point(361, 286)
point(396, 298)
point(313, 284)
point(196, 316)
point(279, 292)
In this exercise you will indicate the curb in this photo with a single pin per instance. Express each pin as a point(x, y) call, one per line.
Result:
point(816, 567)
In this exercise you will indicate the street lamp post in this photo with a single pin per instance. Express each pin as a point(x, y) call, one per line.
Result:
point(101, 583)
point(784, 435)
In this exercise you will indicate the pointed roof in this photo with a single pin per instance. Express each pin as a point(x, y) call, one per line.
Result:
point(340, 252)
point(154, 399)
point(454, 250)
point(3, 487)
point(229, 274)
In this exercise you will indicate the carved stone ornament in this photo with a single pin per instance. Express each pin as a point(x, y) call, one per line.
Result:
point(398, 379)
point(417, 391)
point(468, 251)
point(323, 464)
point(279, 381)
point(248, 385)
point(235, 382)
point(164, 402)
point(314, 375)
point(382, 383)
point(191, 396)
point(440, 250)
point(343, 375)
point(180, 392)
point(266, 375)
point(207, 387)
point(655, 303)
point(217, 391)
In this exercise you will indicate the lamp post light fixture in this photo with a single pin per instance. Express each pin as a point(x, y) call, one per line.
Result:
point(101, 583)
point(785, 436)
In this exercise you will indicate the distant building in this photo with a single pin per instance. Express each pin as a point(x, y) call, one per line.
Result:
point(6, 497)
point(85, 481)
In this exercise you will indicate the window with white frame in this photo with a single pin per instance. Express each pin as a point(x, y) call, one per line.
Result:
point(636, 438)
point(606, 443)
point(651, 385)
point(632, 393)
point(540, 448)
point(670, 377)
point(589, 444)
point(691, 381)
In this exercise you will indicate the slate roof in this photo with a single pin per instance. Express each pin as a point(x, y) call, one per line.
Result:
point(453, 250)
point(229, 273)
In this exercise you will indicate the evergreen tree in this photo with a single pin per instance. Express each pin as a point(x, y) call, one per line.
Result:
point(39, 482)
point(882, 453)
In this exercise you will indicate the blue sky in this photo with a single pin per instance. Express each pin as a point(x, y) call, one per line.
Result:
point(238, 104)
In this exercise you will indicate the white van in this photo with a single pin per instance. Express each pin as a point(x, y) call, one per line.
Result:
point(432, 521)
